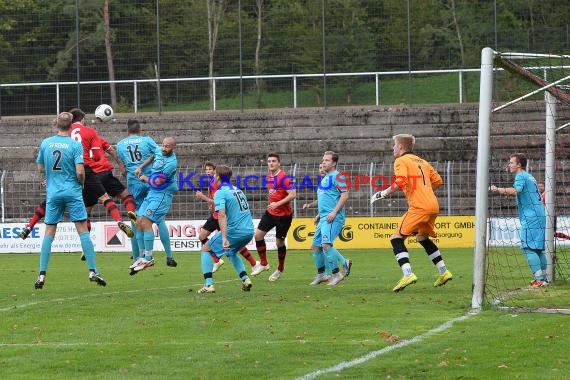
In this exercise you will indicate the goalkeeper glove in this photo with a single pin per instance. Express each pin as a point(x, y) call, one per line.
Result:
point(379, 195)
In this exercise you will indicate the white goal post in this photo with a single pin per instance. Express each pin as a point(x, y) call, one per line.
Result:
point(551, 93)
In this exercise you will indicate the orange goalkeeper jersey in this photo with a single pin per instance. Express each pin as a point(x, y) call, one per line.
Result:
point(415, 177)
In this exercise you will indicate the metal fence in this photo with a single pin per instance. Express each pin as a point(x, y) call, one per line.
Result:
point(293, 86)
point(257, 47)
point(21, 191)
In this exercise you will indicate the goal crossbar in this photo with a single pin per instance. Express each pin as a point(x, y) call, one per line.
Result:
point(545, 88)
point(512, 67)
point(530, 55)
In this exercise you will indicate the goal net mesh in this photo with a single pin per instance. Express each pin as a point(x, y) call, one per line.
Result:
point(519, 125)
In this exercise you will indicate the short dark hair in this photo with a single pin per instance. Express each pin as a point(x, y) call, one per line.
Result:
point(78, 115)
point(133, 126)
point(521, 159)
point(273, 154)
point(209, 163)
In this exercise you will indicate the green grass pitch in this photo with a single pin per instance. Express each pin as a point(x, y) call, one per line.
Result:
point(151, 326)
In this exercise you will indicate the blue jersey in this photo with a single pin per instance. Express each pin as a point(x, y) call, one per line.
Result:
point(133, 151)
point(234, 202)
point(59, 155)
point(166, 165)
point(328, 195)
point(531, 211)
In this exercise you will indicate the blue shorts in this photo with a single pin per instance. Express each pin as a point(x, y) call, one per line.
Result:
point(326, 232)
point(138, 190)
point(56, 205)
point(532, 234)
point(155, 206)
point(236, 244)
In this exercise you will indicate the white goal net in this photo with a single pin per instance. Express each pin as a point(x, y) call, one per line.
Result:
point(522, 263)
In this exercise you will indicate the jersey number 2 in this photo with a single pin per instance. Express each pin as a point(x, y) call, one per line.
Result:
point(57, 155)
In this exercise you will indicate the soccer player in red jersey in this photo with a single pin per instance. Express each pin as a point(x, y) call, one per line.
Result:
point(279, 215)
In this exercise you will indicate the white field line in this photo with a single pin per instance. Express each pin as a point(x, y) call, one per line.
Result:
point(348, 364)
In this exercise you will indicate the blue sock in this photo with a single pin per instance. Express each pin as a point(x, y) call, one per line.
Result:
point(88, 250)
point(148, 244)
point(543, 261)
point(140, 242)
point(339, 257)
point(238, 266)
point(534, 263)
point(45, 252)
point(331, 259)
point(165, 238)
point(135, 243)
point(207, 264)
point(319, 259)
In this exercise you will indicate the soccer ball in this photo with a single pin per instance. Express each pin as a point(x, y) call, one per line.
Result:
point(104, 113)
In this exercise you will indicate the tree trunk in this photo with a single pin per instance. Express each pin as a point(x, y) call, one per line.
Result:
point(258, 81)
point(459, 41)
point(216, 9)
point(109, 53)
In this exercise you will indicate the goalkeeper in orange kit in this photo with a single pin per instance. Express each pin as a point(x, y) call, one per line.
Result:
point(418, 180)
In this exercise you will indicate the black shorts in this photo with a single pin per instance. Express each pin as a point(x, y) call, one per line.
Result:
point(112, 185)
point(92, 188)
point(281, 224)
point(211, 224)
point(97, 184)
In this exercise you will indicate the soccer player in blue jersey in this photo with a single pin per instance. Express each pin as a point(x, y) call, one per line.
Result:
point(236, 229)
point(332, 195)
point(163, 183)
point(532, 217)
point(132, 151)
point(61, 160)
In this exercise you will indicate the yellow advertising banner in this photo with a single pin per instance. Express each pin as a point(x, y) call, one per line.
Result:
point(375, 232)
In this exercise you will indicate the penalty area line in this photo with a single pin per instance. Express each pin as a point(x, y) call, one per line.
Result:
point(348, 364)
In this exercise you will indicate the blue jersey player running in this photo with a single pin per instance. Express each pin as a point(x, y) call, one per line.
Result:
point(163, 183)
point(60, 158)
point(236, 230)
point(132, 151)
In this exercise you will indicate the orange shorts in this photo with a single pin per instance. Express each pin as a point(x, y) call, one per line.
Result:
point(417, 223)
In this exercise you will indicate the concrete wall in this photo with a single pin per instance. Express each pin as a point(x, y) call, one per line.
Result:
point(360, 135)
point(444, 132)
